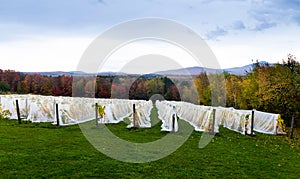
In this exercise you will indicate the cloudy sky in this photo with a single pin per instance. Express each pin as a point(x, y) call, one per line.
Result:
point(48, 35)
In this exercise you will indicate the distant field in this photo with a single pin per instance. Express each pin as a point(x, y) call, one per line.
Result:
point(44, 150)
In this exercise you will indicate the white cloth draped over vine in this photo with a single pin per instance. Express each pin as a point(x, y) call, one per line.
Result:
point(143, 111)
point(201, 118)
point(166, 112)
point(74, 110)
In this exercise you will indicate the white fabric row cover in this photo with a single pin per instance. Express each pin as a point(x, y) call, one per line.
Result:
point(234, 119)
point(74, 110)
point(201, 118)
point(240, 121)
point(167, 114)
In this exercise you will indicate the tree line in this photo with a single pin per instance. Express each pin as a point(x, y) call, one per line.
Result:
point(272, 88)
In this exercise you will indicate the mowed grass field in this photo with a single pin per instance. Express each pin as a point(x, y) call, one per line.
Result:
point(42, 150)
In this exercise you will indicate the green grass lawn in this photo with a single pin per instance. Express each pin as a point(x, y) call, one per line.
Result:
point(44, 150)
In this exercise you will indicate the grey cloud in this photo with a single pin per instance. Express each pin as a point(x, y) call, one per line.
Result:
point(297, 19)
point(212, 1)
point(275, 11)
point(238, 25)
point(214, 34)
point(101, 2)
point(264, 25)
point(294, 4)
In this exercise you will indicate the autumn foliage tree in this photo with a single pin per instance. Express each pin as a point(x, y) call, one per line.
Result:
point(271, 88)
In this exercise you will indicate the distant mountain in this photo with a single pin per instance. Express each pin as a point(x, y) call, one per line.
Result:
point(193, 71)
point(240, 71)
point(244, 69)
point(187, 71)
point(74, 73)
point(57, 73)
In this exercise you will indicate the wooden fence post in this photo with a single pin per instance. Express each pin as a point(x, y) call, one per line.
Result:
point(96, 111)
point(213, 122)
point(57, 115)
point(26, 104)
point(18, 112)
point(252, 123)
point(173, 119)
point(173, 122)
point(292, 127)
point(134, 119)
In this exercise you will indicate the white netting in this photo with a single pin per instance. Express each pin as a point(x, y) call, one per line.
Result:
point(42, 109)
point(142, 117)
point(73, 110)
point(166, 112)
point(201, 118)
point(265, 122)
point(122, 109)
point(234, 119)
point(9, 103)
